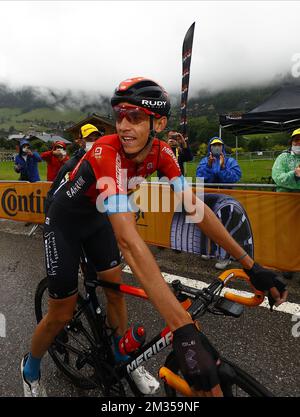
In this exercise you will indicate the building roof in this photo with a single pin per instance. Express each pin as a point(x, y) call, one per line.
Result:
point(101, 122)
point(45, 137)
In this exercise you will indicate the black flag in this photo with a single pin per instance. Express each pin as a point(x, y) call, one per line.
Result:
point(186, 63)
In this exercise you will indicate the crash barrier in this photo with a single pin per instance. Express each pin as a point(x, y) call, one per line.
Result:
point(265, 223)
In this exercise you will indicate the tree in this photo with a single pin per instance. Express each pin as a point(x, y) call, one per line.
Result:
point(255, 145)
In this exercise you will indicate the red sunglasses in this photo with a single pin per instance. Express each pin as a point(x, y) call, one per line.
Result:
point(134, 115)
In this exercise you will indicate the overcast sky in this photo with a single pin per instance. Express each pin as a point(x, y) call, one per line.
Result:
point(93, 45)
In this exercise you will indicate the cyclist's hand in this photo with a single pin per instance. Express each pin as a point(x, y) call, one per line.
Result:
point(267, 280)
point(196, 364)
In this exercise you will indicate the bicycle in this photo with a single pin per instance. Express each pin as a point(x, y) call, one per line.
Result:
point(83, 349)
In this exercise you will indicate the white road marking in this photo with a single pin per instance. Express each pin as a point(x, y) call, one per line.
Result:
point(2, 325)
point(287, 307)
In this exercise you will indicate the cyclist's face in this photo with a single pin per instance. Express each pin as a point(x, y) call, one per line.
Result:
point(134, 128)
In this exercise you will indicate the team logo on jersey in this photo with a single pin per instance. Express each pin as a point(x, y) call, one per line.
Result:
point(149, 166)
point(98, 152)
point(171, 153)
point(119, 171)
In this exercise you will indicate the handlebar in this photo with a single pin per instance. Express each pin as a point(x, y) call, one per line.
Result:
point(205, 296)
point(175, 381)
point(202, 299)
point(253, 301)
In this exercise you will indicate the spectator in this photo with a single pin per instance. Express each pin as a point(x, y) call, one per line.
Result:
point(55, 159)
point(26, 163)
point(216, 167)
point(286, 172)
point(180, 148)
point(87, 136)
point(286, 168)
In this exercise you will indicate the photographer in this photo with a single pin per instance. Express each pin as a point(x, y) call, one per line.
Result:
point(26, 163)
point(180, 147)
point(55, 159)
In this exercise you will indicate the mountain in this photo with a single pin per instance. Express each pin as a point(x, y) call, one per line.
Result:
point(46, 109)
point(50, 110)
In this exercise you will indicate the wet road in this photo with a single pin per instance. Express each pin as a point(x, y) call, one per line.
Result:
point(262, 343)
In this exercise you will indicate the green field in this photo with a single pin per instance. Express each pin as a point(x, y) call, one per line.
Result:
point(35, 118)
point(252, 171)
point(7, 171)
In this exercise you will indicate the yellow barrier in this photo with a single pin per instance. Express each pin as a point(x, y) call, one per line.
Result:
point(22, 201)
point(274, 220)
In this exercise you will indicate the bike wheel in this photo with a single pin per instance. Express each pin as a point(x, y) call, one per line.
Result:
point(234, 381)
point(74, 349)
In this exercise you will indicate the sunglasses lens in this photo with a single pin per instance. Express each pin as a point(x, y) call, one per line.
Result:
point(133, 115)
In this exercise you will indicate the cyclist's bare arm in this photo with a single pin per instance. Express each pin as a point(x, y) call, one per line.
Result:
point(146, 270)
point(211, 226)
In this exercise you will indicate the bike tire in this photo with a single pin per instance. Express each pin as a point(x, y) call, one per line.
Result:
point(236, 384)
point(58, 353)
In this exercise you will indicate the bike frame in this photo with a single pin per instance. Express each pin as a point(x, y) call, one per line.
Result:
point(158, 343)
point(164, 338)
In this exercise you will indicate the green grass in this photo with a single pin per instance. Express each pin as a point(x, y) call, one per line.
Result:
point(252, 171)
point(7, 171)
point(22, 121)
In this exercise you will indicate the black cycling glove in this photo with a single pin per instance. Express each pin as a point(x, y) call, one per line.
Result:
point(263, 279)
point(196, 364)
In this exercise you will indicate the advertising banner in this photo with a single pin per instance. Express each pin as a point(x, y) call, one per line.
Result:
point(266, 224)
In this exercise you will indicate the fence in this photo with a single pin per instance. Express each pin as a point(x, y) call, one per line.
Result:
point(7, 156)
point(258, 155)
point(243, 186)
point(249, 156)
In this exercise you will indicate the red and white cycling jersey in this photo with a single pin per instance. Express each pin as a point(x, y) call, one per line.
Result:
point(104, 169)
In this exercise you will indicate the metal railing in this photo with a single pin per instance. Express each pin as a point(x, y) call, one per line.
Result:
point(227, 186)
point(247, 156)
point(7, 156)
point(241, 185)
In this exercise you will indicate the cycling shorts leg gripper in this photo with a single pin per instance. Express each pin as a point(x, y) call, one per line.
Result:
point(62, 254)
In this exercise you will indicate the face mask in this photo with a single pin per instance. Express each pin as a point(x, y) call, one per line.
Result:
point(88, 146)
point(216, 150)
point(25, 150)
point(296, 149)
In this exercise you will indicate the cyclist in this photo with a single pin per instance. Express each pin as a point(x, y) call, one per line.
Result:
point(141, 108)
point(105, 255)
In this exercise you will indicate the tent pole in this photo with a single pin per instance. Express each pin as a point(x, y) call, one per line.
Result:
point(236, 148)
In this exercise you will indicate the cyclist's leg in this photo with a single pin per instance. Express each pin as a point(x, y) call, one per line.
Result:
point(116, 305)
point(59, 313)
point(62, 251)
point(102, 251)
